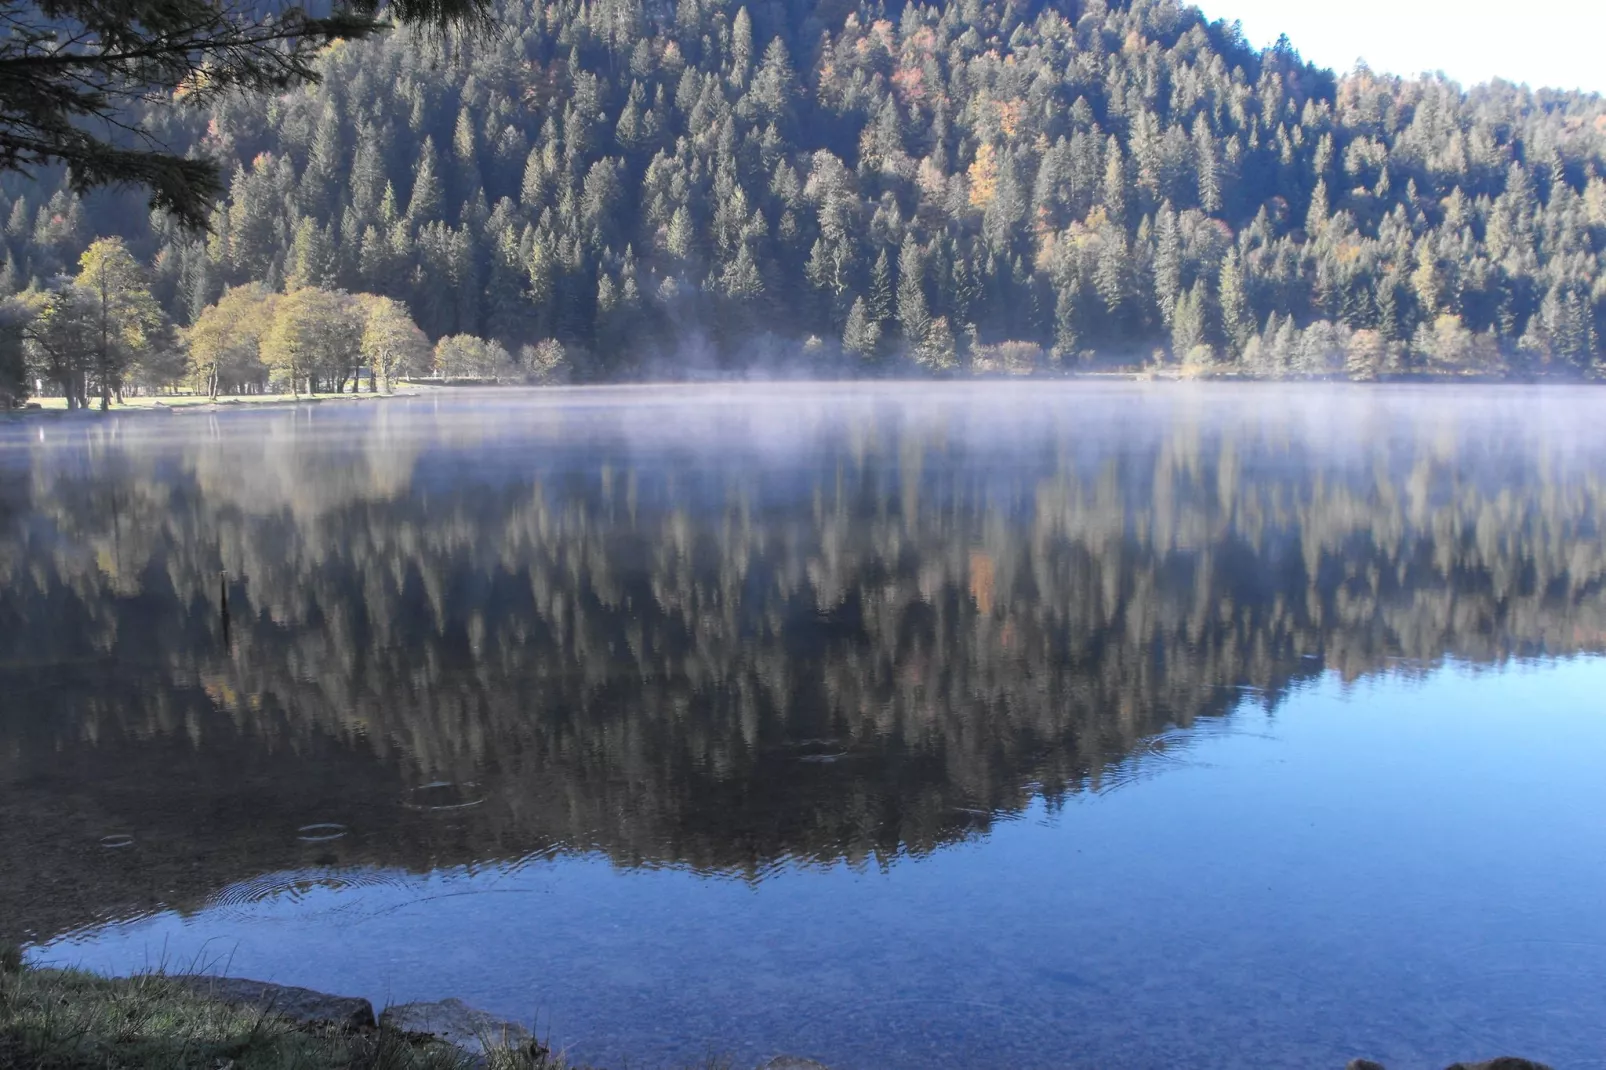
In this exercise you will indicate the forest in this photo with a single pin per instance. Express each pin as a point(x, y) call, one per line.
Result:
point(607, 190)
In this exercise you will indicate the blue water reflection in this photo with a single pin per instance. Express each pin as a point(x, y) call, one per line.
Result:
point(1108, 725)
point(1406, 868)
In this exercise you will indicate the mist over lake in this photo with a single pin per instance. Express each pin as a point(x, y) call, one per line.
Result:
point(973, 725)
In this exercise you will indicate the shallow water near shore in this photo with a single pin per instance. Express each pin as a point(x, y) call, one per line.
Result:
point(971, 726)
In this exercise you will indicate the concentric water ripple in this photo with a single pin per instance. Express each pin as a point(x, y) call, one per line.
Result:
point(440, 796)
point(251, 899)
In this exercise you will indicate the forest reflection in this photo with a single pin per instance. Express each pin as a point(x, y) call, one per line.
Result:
point(727, 632)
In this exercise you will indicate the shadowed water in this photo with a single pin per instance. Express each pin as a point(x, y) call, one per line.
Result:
point(1042, 725)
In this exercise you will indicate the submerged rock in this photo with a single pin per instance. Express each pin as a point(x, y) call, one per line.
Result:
point(456, 1023)
point(297, 1004)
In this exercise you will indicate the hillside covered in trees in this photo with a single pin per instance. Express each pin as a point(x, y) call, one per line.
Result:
point(610, 189)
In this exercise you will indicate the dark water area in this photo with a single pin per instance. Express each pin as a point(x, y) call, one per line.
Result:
point(1030, 725)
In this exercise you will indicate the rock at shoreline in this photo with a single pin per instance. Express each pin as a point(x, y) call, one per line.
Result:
point(297, 1004)
point(1500, 1062)
point(456, 1023)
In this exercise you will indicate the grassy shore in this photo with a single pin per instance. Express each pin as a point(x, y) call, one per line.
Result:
point(187, 401)
point(68, 1020)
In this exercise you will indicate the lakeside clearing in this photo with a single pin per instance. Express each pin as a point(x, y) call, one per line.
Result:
point(193, 401)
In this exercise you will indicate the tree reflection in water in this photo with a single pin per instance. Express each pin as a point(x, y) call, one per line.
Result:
point(729, 630)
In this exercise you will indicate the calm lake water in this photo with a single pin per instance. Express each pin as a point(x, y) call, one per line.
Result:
point(975, 726)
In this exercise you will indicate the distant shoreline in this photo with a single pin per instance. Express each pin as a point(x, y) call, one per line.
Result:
point(171, 405)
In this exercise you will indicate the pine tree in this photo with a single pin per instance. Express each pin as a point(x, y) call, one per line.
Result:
point(741, 53)
point(1207, 165)
point(862, 334)
point(1067, 336)
point(1236, 323)
point(1167, 262)
point(1115, 182)
point(936, 352)
point(740, 279)
point(774, 86)
point(913, 316)
point(1188, 323)
point(312, 257)
point(880, 294)
point(427, 196)
point(681, 236)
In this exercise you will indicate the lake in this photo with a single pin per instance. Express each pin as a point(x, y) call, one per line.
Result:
point(1027, 725)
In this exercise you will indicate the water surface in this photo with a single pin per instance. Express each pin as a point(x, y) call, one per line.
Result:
point(1036, 725)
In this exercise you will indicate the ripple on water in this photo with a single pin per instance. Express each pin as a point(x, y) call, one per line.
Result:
point(321, 832)
point(1148, 758)
point(251, 899)
point(439, 796)
point(117, 841)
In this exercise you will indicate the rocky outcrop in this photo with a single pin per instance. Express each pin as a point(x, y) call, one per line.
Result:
point(451, 1021)
point(297, 1004)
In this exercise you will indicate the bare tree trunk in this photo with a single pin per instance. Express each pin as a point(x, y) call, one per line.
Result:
point(105, 349)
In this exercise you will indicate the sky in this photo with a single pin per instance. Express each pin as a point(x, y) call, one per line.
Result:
point(1556, 43)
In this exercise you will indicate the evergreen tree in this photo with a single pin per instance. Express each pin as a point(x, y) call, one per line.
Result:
point(862, 334)
point(880, 305)
point(427, 196)
point(913, 316)
point(68, 67)
point(1236, 323)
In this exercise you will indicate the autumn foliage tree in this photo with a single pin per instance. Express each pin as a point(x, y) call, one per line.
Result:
point(126, 323)
point(225, 342)
point(391, 342)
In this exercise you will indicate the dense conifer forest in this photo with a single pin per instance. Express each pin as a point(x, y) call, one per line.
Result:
point(606, 189)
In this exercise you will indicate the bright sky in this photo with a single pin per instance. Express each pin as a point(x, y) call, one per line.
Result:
point(1558, 43)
